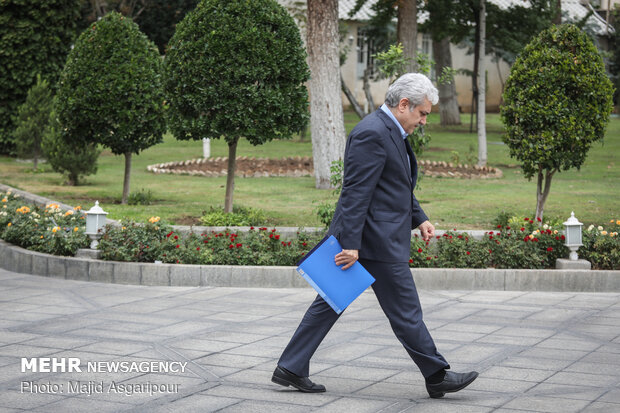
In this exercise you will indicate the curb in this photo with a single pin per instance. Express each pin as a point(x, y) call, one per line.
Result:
point(17, 259)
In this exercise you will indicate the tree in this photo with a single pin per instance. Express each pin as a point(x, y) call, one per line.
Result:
point(35, 37)
point(236, 69)
point(481, 105)
point(557, 104)
point(73, 159)
point(32, 119)
point(111, 91)
point(327, 118)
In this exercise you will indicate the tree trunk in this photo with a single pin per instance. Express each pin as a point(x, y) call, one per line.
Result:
point(474, 77)
point(407, 31)
point(543, 187)
point(448, 105)
point(557, 19)
point(354, 103)
point(369, 99)
point(481, 106)
point(326, 117)
point(230, 177)
point(126, 179)
point(35, 155)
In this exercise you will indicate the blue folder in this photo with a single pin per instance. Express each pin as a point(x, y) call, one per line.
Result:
point(337, 287)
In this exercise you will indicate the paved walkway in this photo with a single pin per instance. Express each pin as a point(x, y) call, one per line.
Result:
point(536, 352)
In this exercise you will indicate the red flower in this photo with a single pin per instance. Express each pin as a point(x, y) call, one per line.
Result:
point(239, 245)
point(491, 232)
point(538, 219)
point(428, 258)
point(176, 237)
point(289, 243)
point(231, 246)
point(303, 253)
point(490, 236)
point(419, 249)
point(304, 244)
point(522, 229)
point(277, 237)
point(460, 237)
point(499, 226)
point(206, 241)
point(490, 252)
point(169, 234)
point(526, 239)
point(410, 261)
point(557, 238)
point(549, 249)
point(178, 246)
point(526, 219)
point(535, 239)
point(507, 227)
point(270, 235)
point(283, 243)
point(251, 228)
point(197, 248)
point(273, 230)
point(468, 253)
point(563, 237)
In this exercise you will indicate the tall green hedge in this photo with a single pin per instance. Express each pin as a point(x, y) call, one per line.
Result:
point(35, 37)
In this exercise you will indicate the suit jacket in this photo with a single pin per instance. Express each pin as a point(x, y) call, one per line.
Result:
point(377, 209)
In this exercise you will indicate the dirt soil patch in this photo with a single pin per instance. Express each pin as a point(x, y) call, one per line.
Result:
point(303, 166)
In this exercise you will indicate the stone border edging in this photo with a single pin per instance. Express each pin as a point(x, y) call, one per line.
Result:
point(17, 259)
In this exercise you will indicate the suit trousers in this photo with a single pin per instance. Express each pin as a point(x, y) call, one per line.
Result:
point(397, 294)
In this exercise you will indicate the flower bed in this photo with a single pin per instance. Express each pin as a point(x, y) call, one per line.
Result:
point(518, 243)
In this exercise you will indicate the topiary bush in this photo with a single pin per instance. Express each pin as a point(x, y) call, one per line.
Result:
point(557, 103)
point(111, 92)
point(35, 37)
point(236, 69)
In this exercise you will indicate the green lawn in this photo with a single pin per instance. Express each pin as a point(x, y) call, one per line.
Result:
point(591, 192)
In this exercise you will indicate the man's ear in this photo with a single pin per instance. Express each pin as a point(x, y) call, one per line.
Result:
point(403, 104)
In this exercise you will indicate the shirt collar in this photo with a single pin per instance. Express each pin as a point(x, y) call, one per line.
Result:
point(391, 115)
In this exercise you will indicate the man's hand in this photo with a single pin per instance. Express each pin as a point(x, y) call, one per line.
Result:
point(346, 257)
point(427, 230)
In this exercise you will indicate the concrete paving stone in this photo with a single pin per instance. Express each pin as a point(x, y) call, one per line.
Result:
point(359, 373)
point(180, 329)
point(230, 360)
point(474, 353)
point(264, 407)
point(514, 373)
point(556, 315)
point(389, 390)
point(569, 342)
point(453, 312)
point(252, 376)
point(56, 267)
point(585, 379)
point(501, 385)
point(27, 401)
point(448, 408)
point(196, 403)
point(274, 394)
point(492, 296)
point(116, 348)
point(472, 327)
point(551, 353)
point(579, 392)
point(547, 404)
point(600, 407)
point(536, 363)
point(525, 332)
point(612, 396)
point(204, 346)
point(255, 350)
point(59, 342)
point(77, 405)
point(185, 275)
point(348, 404)
point(509, 340)
point(234, 336)
point(460, 336)
point(594, 368)
point(23, 350)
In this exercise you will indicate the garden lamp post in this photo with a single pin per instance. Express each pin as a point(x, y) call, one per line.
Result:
point(573, 236)
point(95, 220)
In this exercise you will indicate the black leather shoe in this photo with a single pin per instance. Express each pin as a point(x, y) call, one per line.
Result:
point(285, 378)
point(452, 382)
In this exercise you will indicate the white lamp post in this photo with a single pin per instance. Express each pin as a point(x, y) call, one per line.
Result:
point(572, 229)
point(573, 236)
point(95, 220)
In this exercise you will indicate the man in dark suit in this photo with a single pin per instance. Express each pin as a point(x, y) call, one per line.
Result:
point(373, 221)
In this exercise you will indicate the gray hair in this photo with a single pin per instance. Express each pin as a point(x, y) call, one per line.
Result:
point(412, 86)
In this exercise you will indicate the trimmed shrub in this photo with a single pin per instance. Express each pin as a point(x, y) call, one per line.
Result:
point(236, 69)
point(110, 90)
point(35, 37)
point(557, 103)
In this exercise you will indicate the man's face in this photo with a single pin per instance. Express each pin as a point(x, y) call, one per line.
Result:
point(410, 119)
